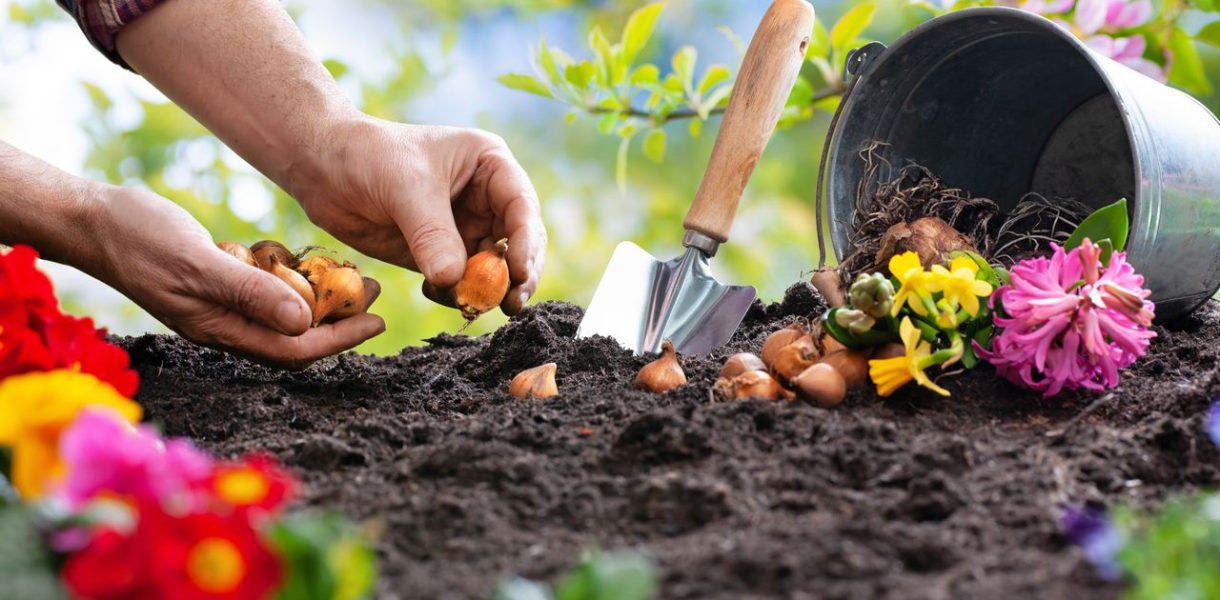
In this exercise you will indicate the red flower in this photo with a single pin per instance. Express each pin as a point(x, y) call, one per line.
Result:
point(36, 336)
point(257, 482)
point(198, 557)
point(105, 569)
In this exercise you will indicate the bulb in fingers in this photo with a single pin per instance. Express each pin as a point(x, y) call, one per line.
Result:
point(485, 282)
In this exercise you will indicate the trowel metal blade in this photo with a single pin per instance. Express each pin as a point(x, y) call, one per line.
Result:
point(642, 301)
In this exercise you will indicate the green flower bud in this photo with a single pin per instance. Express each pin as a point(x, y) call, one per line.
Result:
point(855, 321)
point(873, 294)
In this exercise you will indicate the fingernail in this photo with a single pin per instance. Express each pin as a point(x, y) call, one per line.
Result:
point(443, 263)
point(288, 315)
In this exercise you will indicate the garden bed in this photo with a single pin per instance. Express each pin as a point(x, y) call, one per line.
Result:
point(913, 496)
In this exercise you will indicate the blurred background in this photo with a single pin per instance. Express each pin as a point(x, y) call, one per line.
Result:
point(436, 62)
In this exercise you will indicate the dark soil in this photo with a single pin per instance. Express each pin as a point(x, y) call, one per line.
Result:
point(911, 497)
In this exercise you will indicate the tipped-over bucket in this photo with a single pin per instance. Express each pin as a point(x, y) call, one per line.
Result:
point(1002, 102)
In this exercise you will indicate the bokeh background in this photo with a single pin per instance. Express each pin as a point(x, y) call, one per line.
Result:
point(434, 62)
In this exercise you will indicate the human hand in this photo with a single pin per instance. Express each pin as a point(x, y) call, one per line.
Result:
point(426, 198)
point(155, 253)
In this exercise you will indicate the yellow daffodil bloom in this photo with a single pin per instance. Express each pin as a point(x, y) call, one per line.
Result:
point(917, 285)
point(889, 374)
point(959, 285)
point(36, 408)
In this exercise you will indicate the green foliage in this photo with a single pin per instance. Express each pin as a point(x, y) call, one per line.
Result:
point(598, 576)
point(26, 569)
point(325, 557)
point(1107, 226)
point(1174, 552)
point(1186, 69)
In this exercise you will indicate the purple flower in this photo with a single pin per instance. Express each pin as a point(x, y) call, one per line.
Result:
point(1097, 23)
point(1072, 322)
point(1089, 528)
point(1213, 422)
point(109, 457)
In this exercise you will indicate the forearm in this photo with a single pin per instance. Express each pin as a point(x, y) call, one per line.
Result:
point(242, 69)
point(44, 207)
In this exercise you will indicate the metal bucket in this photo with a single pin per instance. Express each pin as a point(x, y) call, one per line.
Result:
point(1002, 102)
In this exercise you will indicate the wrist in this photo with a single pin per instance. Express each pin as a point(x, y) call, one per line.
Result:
point(314, 170)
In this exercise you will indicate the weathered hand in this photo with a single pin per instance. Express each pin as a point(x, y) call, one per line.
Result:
point(154, 252)
point(425, 198)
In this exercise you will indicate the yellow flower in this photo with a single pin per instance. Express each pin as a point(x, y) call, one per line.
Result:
point(889, 374)
point(960, 286)
point(917, 285)
point(36, 408)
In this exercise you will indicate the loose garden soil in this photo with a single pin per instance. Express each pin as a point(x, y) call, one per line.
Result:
point(914, 496)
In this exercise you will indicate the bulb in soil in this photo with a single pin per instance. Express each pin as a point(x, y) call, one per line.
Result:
point(297, 282)
point(238, 251)
point(340, 295)
point(485, 282)
point(829, 283)
point(830, 345)
point(662, 374)
point(740, 363)
point(751, 384)
point(821, 384)
point(267, 252)
point(852, 365)
point(930, 237)
point(314, 266)
point(538, 382)
point(889, 351)
point(794, 358)
point(781, 338)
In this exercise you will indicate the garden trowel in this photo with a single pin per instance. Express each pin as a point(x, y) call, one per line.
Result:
point(641, 301)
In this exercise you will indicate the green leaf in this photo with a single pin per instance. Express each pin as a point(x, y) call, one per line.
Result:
point(684, 66)
point(851, 25)
point(819, 42)
point(802, 93)
point(326, 557)
point(607, 123)
point(696, 128)
point(969, 358)
point(580, 74)
point(714, 75)
point(638, 31)
point(714, 100)
point(1186, 70)
point(525, 83)
point(1108, 222)
point(645, 75)
point(733, 38)
point(549, 65)
point(1210, 34)
point(604, 55)
point(25, 563)
point(654, 145)
point(98, 96)
point(337, 68)
point(609, 576)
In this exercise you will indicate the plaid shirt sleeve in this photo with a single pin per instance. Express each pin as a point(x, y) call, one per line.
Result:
point(102, 20)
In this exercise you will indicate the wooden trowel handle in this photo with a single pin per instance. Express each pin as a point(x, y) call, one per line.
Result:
point(767, 74)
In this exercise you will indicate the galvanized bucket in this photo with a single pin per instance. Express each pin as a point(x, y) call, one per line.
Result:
point(1002, 102)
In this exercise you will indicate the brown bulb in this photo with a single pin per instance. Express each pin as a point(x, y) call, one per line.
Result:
point(268, 251)
point(794, 358)
point(538, 382)
point(821, 384)
point(238, 251)
point(662, 374)
point(314, 266)
point(829, 284)
point(756, 384)
point(740, 363)
point(340, 295)
point(298, 284)
point(485, 282)
point(781, 338)
point(831, 345)
point(891, 350)
point(851, 364)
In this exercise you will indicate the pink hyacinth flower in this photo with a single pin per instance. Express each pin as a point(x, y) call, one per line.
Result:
point(1072, 322)
point(1097, 23)
point(107, 456)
